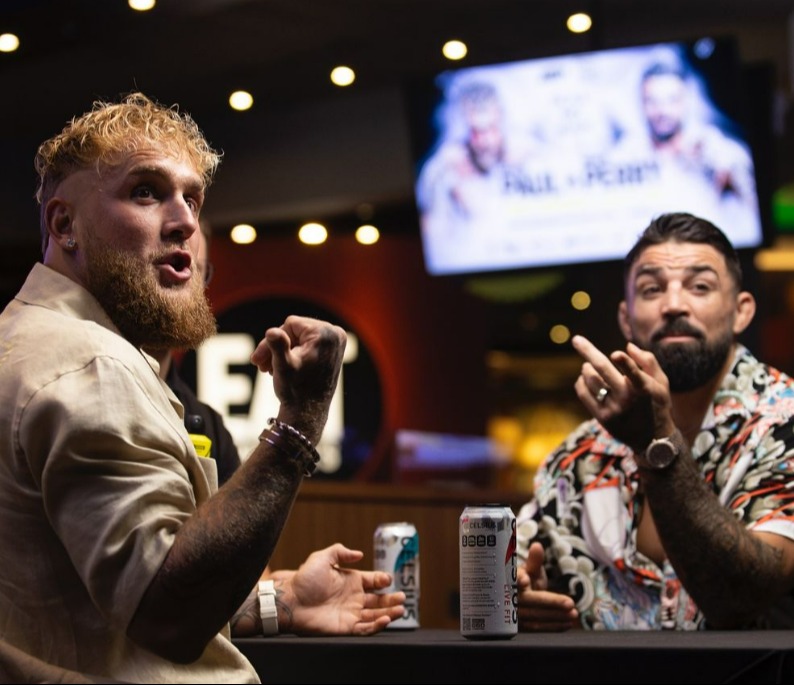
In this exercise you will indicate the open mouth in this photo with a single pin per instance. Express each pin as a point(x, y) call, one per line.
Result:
point(176, 266)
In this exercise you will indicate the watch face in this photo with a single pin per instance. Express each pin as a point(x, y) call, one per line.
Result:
point(661, 453)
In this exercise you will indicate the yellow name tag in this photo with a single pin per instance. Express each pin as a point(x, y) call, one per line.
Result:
point(202, 444)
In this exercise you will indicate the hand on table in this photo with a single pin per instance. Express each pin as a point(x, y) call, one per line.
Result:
point(538, 608)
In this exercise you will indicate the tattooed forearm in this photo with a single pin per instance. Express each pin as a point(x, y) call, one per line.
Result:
point(246, 620)
point(236, 529)
point(285, 616)
point(730, 573)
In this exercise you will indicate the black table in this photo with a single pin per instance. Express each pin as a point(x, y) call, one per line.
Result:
point(443, 656)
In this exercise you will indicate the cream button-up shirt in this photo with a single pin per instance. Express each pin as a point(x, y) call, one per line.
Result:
point(97, 473)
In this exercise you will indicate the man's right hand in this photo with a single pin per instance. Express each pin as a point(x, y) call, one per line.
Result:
point(304, 356)
point(538, 608)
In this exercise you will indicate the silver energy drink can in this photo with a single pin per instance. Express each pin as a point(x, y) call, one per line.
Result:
point(488, 588)
point(396, 547)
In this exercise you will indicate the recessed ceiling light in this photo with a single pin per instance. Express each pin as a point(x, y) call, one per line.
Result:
point(579, 22)
point(342, 76)
point(454, 49)
point(313, 234)
point(367, 234)
point(241, 100)
point(243, 234)
point(8, 42)
point(141, 5)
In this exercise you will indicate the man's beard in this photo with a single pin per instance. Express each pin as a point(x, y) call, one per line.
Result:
point(127, 288)
point(693, 364)
point(666, 134)
point(484, 160)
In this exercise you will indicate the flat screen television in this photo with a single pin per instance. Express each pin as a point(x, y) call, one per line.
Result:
point(564, 160)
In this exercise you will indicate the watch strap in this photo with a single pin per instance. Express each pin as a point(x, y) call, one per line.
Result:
point(267, 607)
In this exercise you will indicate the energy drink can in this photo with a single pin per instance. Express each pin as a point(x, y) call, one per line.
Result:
point(488, 587)
point(396, 548)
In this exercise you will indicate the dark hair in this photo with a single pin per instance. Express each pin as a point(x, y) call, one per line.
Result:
point(680, 227)
point(664, 69)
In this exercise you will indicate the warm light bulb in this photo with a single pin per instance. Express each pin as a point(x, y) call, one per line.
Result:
point(580, 300)
point(454, 49)
point(241, 100)
point(141, 5)
point(243, 234)
point(559, 334)
point(8, 42)
point(367, 234)
point(579, 22)
point(342, 76)
point(312, 234)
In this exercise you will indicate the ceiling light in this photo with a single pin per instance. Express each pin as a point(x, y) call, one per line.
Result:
point(243, 234)
point(241, 100)
point(312, 234)
point(342, 76)
point(560, 334)
point(8, 42)
point(454, 49)
point(141, 5)
point(580, 300)
point(367, 234)
point(579, 22)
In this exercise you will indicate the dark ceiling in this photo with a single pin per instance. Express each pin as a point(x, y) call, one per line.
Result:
point(195, 52)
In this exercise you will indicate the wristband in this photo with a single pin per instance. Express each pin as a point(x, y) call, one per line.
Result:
point(280, 434)
point(267, 607)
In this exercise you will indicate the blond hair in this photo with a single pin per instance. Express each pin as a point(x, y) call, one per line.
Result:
point(109, 131)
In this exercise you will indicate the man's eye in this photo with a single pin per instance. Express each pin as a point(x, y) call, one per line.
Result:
point(144, 192)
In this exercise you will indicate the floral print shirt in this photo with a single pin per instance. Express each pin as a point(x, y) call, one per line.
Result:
point(586, 506)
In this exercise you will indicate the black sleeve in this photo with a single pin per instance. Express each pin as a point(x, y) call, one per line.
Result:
point(223, 450)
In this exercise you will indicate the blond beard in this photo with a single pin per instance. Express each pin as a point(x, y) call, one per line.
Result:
point(127, 288)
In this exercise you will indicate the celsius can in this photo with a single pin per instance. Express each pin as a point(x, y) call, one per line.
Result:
point(396, 547)
point(488, 588)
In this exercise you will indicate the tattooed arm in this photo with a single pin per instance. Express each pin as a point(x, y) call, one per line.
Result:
point(219, 552)
point(732, 573)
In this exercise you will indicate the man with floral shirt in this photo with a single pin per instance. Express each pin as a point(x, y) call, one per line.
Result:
point(674, 506)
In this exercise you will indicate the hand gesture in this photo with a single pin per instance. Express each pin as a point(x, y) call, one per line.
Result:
point(627, 392)
point(538, 608)
point(326, 599)
point(304, 356)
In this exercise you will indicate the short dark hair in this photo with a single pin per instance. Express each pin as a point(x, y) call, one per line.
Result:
point(681, 227)
point(664, 69)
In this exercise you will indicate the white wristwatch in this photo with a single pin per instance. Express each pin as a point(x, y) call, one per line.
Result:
point(267, 607)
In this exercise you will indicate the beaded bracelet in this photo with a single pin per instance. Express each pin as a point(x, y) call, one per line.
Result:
point(309, 454)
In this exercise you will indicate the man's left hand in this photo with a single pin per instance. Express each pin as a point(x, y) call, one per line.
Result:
point(324, 598)
point(637, 406)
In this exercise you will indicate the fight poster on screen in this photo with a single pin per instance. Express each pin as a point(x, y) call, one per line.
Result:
point(567, 159)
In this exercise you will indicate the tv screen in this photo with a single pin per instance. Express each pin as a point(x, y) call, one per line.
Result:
point(566, 159)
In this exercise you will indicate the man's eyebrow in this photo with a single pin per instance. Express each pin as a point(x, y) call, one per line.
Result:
point(652, 270)
point(147, 169)
point(647, 269)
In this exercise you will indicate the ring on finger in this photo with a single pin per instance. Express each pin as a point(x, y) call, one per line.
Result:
point(601, 395)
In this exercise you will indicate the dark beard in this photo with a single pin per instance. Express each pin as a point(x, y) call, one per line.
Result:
point(128, 291)
point(689, 365)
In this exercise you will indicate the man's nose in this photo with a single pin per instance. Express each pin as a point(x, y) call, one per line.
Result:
point(674, 301)
point(181, 220)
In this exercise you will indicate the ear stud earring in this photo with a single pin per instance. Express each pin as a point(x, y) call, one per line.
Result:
point(71, 243)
